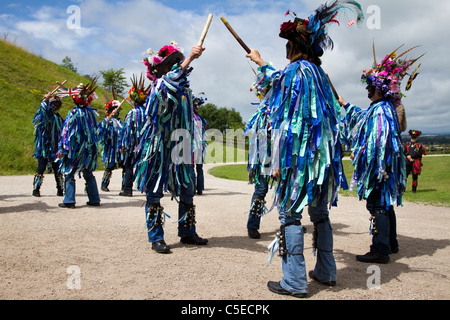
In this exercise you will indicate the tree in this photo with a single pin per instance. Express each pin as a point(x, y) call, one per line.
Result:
point(67, 63)
point(221, 118)
point(114, 80)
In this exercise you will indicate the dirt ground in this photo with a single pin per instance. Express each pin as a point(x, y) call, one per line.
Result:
point(90, 253)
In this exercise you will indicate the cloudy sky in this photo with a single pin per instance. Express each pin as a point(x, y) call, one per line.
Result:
point(99, 35)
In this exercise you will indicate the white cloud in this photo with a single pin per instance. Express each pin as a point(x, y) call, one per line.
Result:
point(115, 34)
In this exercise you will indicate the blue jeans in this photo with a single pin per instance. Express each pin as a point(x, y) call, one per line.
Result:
point(154, 196)
point(293, 265)
point(91, 186)
point(261, 189)
point(385, 239)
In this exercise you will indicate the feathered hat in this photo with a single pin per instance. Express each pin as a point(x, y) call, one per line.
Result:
point(111, 104)
point(198, 101)
point(311, 34)
point(414, 133)
point(82, 95)
point(167, 56)
point(387, 75)
point(138, 93)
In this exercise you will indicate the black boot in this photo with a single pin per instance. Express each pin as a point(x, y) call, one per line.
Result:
point(155, 218)
point(59, 185)
point(106, 179)
point(253, 233)
point(160, 247)
point(373, 257)
point(187, 212)
point(37, 182)
point(195, 239)
point(276, 287)
point(256, 210)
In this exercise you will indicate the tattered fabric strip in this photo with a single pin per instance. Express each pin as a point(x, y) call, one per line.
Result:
point(305, 124)
point(377, 147)
point(168, 108)
point(130, 134)
point(47, 129)
point(79, 141)
point(108, 135)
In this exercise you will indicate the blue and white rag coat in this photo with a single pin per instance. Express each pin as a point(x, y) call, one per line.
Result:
point(78, 142)
point(306, 140)
point(169, 110)
point(376, 144)
point(47, 129)
point(108, 136)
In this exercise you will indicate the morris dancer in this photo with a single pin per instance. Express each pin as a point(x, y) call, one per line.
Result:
point(259, 154)
point(414, 151)
point(78, 145)
point(130, 135)
point(108, 135)
point(200, 145)
point(47, 128)
point(169, 108)
point(377, 156)
point(307, 153)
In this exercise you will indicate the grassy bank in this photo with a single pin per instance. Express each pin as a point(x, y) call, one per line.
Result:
point(434, 182)
point(24, 79)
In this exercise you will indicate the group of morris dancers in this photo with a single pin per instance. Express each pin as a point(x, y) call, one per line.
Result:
point(297, 140)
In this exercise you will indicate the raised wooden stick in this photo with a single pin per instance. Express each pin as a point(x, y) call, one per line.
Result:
point(59, 86)
point(116, 110)
point(332, 88)
point(205, 30)
point(225, 22)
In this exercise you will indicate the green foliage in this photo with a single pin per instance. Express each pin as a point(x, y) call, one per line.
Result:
point(67, 63)
point(24, 79)
point(434, 182)
point(221, 118)
point(114, 80)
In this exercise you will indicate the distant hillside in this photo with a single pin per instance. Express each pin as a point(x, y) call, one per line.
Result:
point(431, 139)
point(24, 79)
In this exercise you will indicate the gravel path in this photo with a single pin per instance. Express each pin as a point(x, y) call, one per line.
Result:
point(44, 248)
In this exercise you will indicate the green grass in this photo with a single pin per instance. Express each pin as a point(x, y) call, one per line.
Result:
point(24, 79)
point(224, 153)
point(434, 182)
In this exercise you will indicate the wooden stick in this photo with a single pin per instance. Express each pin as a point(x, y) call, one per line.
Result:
point(116, 110)
point(225, 22)
point(205, 30)
point(332, 88)
point(59, 86)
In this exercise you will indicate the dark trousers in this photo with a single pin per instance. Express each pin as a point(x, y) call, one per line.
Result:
point(42, 165)
point(200, 182)
point(385, 237)
point(261, 189)
point(128, 176)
